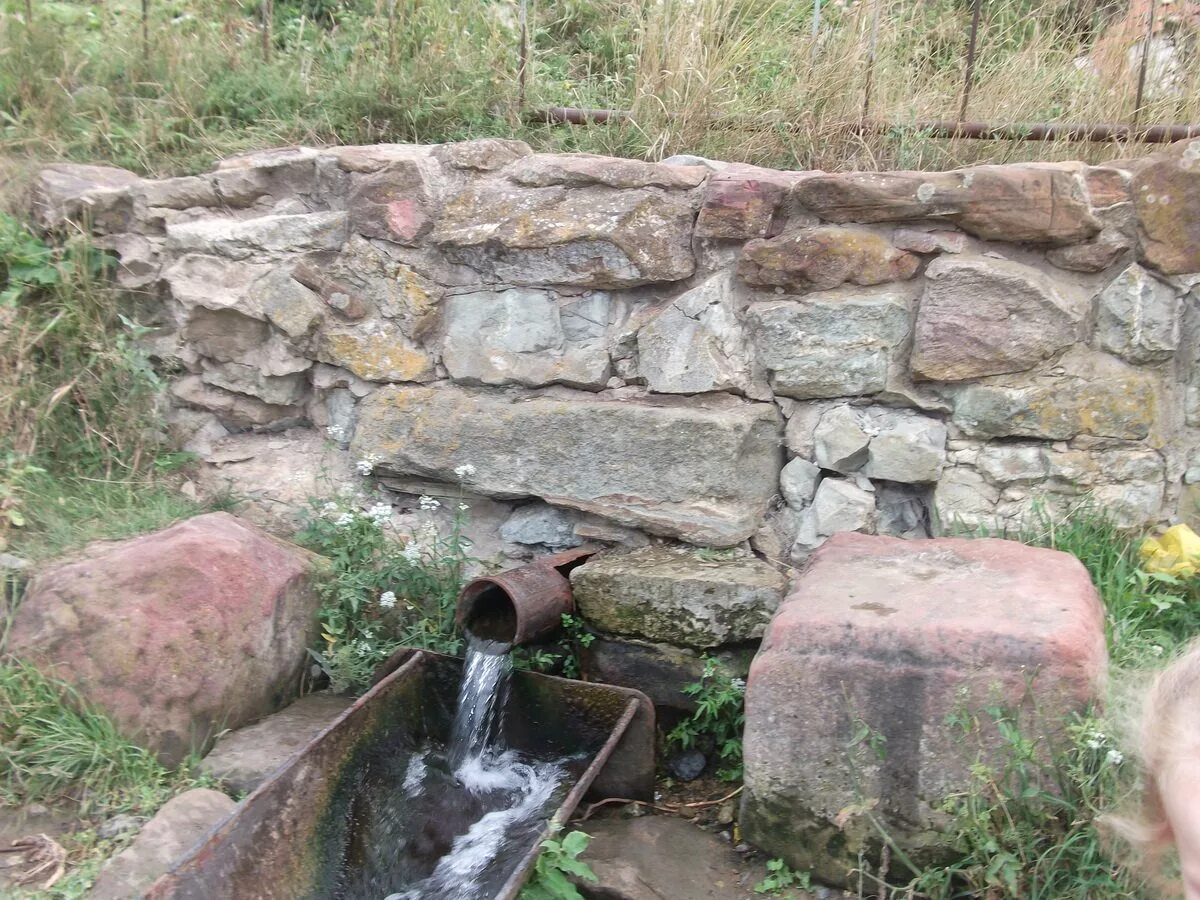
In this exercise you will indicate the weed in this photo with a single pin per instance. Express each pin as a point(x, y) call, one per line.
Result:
point(54, 746)
point(1147, 615)
point(780, 878)
point(711, 554)
point(746, 80)
point(79, 430)
point(381, 594)
point(718, 720)
point(559, 860)
point(561, 657)
point(1025, 827)
point(873, 739)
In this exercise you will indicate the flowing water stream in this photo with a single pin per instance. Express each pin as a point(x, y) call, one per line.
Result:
point(451, 820)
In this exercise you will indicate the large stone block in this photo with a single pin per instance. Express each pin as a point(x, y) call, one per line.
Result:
point(697, 344)
point(982, 316)
point(66, 193)
point(1035, 203)
point(1090, 393)
point(1166, 195)
point(584, 169)
point(897, 638)
point(241, 239)
point(889, 444)
point(396, 203)
point(668, 594)
point(210, 282)
point(1139, 317)
point(525, 336)
point(701, 471)
point(831, 344)
point(743, 202)
point(375, 350)
point(824, 257)
point(176, 635)
point(591, 236)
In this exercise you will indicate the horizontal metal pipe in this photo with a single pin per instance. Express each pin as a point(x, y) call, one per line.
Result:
point(570, 115)
point(1097, 132)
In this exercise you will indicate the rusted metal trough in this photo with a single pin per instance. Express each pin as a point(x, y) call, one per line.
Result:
point(314, 829)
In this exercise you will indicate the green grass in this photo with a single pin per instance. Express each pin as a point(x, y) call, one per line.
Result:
point(55, 747)
point(736, 79)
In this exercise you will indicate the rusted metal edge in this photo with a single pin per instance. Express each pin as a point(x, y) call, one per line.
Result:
point(1096, 132)
point(517, 880)
point(413, 659)
point(207, 844)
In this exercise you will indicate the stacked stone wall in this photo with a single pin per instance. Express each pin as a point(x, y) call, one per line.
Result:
point(706, 352)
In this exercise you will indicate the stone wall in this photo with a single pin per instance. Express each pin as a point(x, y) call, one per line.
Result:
point(604, 349)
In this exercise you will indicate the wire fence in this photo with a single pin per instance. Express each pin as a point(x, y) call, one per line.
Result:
point(1146, 49)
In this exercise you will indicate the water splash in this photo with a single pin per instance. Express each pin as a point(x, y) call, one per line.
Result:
point(480, 801)
point(480, 696)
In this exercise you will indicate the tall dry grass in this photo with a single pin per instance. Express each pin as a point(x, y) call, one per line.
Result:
point(736, 79)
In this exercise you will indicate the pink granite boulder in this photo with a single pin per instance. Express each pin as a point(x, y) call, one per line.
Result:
point(176, 635)
point(880, 646)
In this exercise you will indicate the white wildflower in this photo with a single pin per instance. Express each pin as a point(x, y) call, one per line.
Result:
point(367, 464)
point(463, 507)
point(344, 519)
point(380, 513)
point(1096, 741)
point(336, 433)
point(411, 552)
point(1114, 757)
point(739, 684)
point(1156, 650)
point(329, 508)
point(362, 648)
point(428, 504)
point(387, 599)
point(464, 471)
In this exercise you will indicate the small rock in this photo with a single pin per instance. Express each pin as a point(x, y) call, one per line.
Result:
point(541, 523)
point(916, 241)
point(798, 482)
point(824, 257)
point(841, 440)
point(1137, 317)
point(172, 832)
point(727, 813)
point(688, 766)
point(243, 759)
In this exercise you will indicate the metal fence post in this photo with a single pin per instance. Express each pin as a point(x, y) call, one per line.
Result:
point(969, 69)
point(1141, 87)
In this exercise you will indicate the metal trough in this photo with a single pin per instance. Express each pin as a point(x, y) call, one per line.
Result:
point(307, 831)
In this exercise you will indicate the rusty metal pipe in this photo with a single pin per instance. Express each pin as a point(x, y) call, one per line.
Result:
point(1096, 132)
point(1100, 132)
point(571, 115)
point(522, 604)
